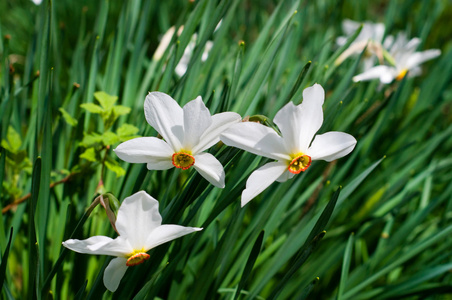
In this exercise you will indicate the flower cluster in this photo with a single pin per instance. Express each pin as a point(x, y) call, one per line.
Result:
point(187, 132)
point(398, 53)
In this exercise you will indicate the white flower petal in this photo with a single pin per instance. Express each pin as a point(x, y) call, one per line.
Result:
point(166, 233)
point(285, 176)
point(100, 245)
point(260, 179)
point(137, 216)
point(418, 58)
point(312, 117)
point(164, 43)
point(182, 66)
point(355, 48)
point(220, 122)
point(210, 168)
point(160, 164)
point(114, 272)
point(412, 45)
point(349, 27)
point(331, 145)
point(257, 139)
point(207, 48)
point(164, 114)
point(416, 71)
point(145, 150)
point(196, 120)
point(299, 124)
point(378, 32)
point(386, 74)
point(388, 41)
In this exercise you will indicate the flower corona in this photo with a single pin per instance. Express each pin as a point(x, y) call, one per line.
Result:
point(299, 164)
point(183, 160)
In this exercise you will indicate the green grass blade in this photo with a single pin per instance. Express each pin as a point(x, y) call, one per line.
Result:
point(307, 289)
point(250, 263)
point(32, 241)
point(314, 237)
point(5, 259)
point(345, 266)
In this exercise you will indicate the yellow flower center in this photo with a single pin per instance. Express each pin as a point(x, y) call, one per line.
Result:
point(183, 160)
point(299, 164)
point(137, 257)
point(401, 74)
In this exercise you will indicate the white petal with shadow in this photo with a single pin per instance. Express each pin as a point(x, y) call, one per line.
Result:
point(166, 116)
point(331, 145)
point(262, 178)
point(196, 120)
point(166, 233)
point(138, 215)
point(144, 150)
point(257, 139)
point(220, 122)
point(100, 245)
point(114, 272)
point(210, 168)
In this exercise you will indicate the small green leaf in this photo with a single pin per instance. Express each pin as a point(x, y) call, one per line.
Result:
point(127, 132)
point(92, 108)
point(106, 101)
point(91, 139)
point(18, 157)
point(13, 140)
point(113, 166)
point(68, 118)
point(120, 110)
point(89, 154)
point(109, 118)
point(109, 138)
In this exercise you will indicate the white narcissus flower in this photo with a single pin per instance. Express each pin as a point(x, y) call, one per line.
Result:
point(187, 132)
point(140, 229)
point(371, 36)
point(405, 60)
point(293, 149)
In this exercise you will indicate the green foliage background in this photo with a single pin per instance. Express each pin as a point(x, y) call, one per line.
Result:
point(388, 236)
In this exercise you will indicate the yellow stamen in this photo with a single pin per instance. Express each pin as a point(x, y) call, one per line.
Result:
point(401, 74)
point(299, 164)
point(183, 160)
point(137, 258)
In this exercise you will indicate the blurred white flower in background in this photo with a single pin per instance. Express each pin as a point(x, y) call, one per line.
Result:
point(403, 60)
point(182, 65)
point(371, 36)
